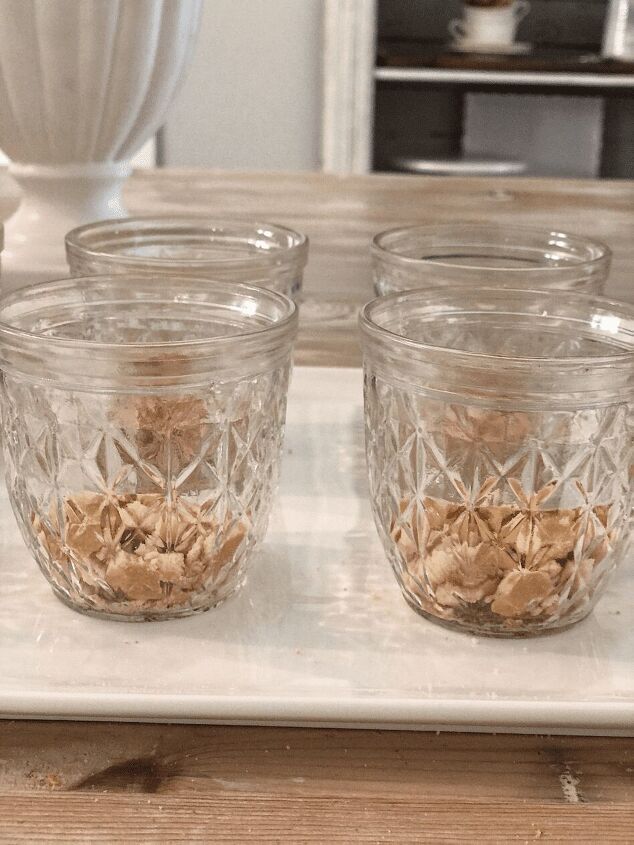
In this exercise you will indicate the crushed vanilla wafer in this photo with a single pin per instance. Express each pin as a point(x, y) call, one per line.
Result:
point(145, 552)
point(500, 567)
point(162, 424)
point(137, 553)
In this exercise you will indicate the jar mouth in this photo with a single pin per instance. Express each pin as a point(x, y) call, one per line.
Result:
point(196, 242)
point(504, 342)
point(116, 328)
point(464, 248)
point(399, 318)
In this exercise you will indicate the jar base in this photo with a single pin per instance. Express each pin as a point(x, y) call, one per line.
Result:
point(474, 630)
point(149, 615)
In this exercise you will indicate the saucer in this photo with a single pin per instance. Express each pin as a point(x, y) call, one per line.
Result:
point(515, 48)
point(464, 166)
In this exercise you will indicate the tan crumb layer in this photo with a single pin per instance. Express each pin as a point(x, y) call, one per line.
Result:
point(138, 552)
point(509, 565)
point(162, 425)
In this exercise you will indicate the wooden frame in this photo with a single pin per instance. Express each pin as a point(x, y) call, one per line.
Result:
point(348, 85)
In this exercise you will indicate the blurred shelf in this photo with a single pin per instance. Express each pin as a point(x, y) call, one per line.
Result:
point(493, 77)
point(414, 61)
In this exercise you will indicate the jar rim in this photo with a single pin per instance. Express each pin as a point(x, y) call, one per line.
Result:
point(157, 364)
point(505, 380)
point(78, 240)
point(251, 294)
point(457, 295)
point(597, 252)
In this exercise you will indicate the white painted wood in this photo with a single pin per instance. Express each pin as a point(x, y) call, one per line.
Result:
point(618, 36)
point(83, 84)
point(497, 77)
point(348, 85)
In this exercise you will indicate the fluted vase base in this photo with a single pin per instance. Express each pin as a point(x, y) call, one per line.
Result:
point(55, 199)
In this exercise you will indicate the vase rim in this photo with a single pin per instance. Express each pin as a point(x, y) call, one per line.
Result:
point(72, 170)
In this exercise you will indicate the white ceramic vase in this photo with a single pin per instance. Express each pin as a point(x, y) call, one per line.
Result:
point(83, 84)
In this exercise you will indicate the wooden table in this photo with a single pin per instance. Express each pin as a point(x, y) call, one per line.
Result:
point(83, 782)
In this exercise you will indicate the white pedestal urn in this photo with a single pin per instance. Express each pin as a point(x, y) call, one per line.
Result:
point(83, 84)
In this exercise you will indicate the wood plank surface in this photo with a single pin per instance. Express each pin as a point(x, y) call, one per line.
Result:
point(239, 818)
point(87, 782)
point(369, 764)
point(80, 782)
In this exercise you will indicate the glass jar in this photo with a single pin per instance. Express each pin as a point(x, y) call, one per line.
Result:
point(499, 445)
point(221, 250)
point(143, 424)
point(487, 255)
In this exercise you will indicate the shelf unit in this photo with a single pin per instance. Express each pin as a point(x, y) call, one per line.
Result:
point(351, 73)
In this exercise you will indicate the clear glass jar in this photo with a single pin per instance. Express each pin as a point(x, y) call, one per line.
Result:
point(486, 255)
point(143, 425)
point(261, 254)
point(499, 434)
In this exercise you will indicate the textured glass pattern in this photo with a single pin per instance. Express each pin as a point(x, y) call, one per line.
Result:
point(144, 504)
point(497, 521)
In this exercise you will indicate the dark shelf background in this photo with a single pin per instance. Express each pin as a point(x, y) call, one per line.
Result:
point(550, 23)
point(426, 121)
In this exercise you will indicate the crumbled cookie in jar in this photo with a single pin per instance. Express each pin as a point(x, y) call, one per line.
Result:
point(461, 572)
point(132, 553)
point(508, 564)
point(482, 425)
point(134, 577)
point(162, 427)
point(521, 592)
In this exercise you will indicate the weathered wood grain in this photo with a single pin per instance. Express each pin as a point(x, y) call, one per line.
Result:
point(253, 817)
point(341, 214)
point(314, 763)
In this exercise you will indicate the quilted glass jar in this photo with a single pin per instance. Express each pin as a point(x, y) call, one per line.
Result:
point(499, 445)
point(261, 254)
point(486, 255)
point(143, 424)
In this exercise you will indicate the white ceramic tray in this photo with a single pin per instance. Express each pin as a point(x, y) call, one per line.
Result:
point(320, 635)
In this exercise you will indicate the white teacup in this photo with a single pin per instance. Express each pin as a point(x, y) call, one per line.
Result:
point(489, 25)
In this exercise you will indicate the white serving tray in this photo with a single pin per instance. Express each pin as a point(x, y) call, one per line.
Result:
point(320, 635)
